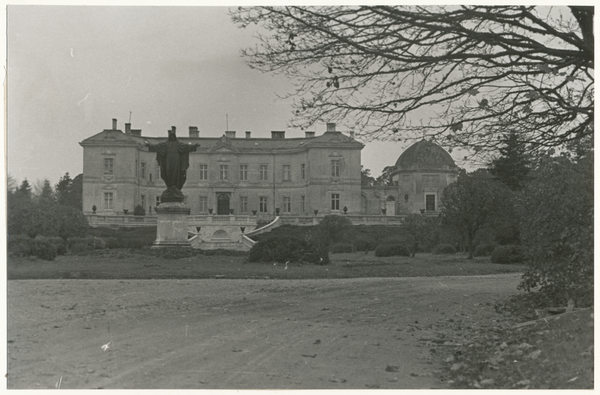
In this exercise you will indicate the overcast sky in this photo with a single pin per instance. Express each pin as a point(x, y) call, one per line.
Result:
point(71, 69)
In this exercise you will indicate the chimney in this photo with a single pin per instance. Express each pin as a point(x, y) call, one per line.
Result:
point(247, 134)
point(309, 135)
point(127, 128)
point(114, 124)
point(230, 134)
point(330, 127)
point(173, 128)
point(352, 134)
point(194, 131)
point(277, 135)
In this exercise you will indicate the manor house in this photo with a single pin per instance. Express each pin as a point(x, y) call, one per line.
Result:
point(244, 175)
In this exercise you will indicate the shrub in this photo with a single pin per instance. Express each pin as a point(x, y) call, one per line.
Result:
point(391, 250)
point(175, 252)
point(404, 239)
point(365, 244)
point(557, 226)
point(59, 243)
point(335, 228)
point(139, 210)
point(98, 243)
point(278, 249)
point(444, 249)
point(484, 250)
point(20, 245)
point(111, 242)
point(79, 247)
point(508, 254)
point(136, 242)
point(43, 249)
point(341, 248)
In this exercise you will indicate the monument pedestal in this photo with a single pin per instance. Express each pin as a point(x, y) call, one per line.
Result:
point(171, 225)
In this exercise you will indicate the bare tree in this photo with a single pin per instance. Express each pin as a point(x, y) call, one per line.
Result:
point(462, 75)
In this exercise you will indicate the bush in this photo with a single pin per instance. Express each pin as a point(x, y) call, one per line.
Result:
point(278, 249)
point(484, 250)
point(365, 244)
point(98, 243)
point(43, 249)
point(111, 242)
point(341, 248)
point(79, 247)
point(444, 249)
point(391, 250)
point(20, 245)
point(175, 252)
point(557, 227)
point(139, 210)
point(508, 254)
point(59, 243)
point(335, 228)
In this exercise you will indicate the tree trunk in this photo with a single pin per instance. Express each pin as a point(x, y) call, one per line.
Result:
point(470, 246)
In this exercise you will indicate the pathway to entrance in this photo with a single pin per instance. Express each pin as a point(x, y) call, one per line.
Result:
point(237, 334)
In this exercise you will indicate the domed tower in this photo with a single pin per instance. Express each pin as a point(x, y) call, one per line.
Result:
point(421, 173)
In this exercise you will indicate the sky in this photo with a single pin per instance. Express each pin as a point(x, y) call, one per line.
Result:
point(72, 69)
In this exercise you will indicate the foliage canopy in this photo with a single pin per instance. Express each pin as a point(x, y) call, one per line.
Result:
point(479, 70)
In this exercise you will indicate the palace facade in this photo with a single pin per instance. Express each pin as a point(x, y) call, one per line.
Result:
point(261, 176)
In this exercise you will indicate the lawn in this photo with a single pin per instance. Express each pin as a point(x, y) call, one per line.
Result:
point(143, 264)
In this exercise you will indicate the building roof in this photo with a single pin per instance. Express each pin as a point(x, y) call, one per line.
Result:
point(425, 154)
point(238, 144)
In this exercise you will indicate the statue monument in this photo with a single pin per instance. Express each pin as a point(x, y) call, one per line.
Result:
point(173, 159)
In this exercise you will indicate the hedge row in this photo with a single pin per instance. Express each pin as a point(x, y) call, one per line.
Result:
point(41, 247)
point(287, 249)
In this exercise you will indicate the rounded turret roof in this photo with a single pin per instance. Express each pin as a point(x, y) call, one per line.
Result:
point(425, 154)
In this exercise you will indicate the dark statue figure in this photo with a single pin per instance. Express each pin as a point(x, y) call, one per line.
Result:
point(173, 159)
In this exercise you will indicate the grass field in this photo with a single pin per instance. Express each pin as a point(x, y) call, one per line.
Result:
point(141, 264)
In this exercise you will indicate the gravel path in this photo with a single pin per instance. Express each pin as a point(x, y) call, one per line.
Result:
point(238, 334)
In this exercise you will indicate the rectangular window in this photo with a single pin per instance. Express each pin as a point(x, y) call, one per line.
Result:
point(303, 171)
point(263, 172)
point(243, 204)
point(430, 202)
point(108, 165)
point(335, 201)
point(203, 172)
point(223, 172)
point(144, 170)
point(108, 201)
point(157, 200)
point(150, 177)
point(287, 176)
point(262, 207)
point(243, 172)
point(335, 168)
point(302, 204)
point(287, 204)
point(203, 204)
point(143, 202)
point(157, 171)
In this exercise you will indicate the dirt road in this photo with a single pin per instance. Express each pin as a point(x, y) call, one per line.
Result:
point(238, 334)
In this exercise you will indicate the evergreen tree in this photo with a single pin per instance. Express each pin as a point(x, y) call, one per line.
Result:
point(24, 191)
point(47, 193)
point(69, 191)
point(513, 165)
